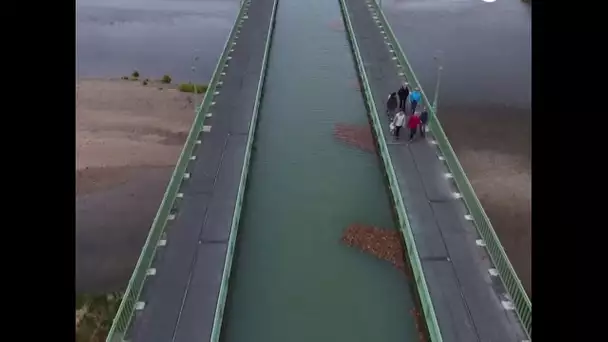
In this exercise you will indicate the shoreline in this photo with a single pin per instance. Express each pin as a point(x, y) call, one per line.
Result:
point(128, 139)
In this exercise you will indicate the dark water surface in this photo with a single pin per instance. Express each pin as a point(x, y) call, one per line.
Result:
point(485, 48)
point(156, 37)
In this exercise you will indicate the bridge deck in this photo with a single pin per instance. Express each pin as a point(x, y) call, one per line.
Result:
point(466, 299)
point(181, 297)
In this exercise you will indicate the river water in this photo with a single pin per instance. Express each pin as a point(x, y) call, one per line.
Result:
point(155, 37)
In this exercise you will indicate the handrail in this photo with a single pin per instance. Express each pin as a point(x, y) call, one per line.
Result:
point(508, 276)
point(123, 317)
point(219, 311)
point(404, 224)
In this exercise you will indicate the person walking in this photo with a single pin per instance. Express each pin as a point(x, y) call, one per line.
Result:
point(412, 124)
point(403, 93)
point(415, 99)
point(424, 119)
point(399, 121)
point(391, 105)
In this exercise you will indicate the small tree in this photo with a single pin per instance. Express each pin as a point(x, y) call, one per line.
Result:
point(135, 74)
point(166, 79)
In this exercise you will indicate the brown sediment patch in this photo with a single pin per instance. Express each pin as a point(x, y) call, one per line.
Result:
point(359, 136)
point(384, 244)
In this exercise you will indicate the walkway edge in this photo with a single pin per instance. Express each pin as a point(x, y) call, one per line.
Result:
point(221, 302)
point(500, 260)
point(408, 237)
point(123, 317)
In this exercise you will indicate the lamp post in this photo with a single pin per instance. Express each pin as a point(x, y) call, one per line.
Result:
point(193, 68)
point(439, 69)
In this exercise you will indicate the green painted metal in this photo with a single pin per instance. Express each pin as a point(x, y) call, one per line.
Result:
point(221, 303)
point(404, 225)
point(127, 306)
point(513, 285)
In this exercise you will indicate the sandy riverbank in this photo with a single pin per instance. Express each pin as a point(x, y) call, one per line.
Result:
point(128, 138)
point(121, 125)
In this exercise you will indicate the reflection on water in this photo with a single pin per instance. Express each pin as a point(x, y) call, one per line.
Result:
point(155, 37)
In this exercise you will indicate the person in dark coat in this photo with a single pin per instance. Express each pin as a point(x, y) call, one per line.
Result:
point(424, 119)
point(391, 105)
point(403, 93)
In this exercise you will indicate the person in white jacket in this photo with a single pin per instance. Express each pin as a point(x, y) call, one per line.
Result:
point(398, 121)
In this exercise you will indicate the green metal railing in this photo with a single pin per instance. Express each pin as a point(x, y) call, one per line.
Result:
point(514, 287)
point(219, 311)
point(404, 224)
point(126, 310)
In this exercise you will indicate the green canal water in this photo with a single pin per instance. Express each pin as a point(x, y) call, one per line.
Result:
point(292, 279)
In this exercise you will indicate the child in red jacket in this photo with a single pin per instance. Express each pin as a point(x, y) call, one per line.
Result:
point(412, 124)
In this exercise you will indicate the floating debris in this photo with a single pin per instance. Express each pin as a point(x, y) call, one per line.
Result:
point(356, 135)
point(337, 25)
point(420, 326)
point(384, 244)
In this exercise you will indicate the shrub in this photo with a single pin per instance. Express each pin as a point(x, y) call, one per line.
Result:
point(189, 88)
point(135, 74)
point(166, 79)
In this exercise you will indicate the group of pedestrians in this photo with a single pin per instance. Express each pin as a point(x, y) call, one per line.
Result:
point(396, 111)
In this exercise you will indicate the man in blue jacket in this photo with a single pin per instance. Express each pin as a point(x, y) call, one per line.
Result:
point(415, 98)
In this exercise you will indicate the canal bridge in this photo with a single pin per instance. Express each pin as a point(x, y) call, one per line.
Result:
point(463, 283)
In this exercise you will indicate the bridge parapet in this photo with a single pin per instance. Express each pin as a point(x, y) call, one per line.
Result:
point(130, 300)
point(500, 260)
